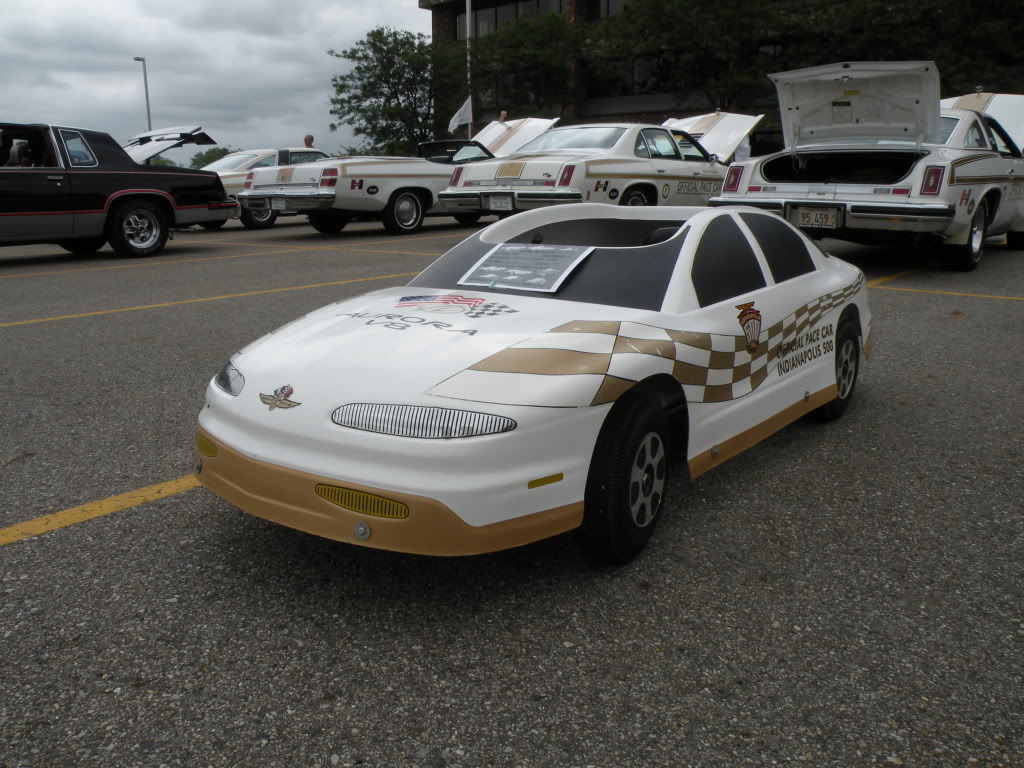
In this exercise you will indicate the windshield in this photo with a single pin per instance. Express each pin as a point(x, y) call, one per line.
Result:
point(946, 128)
point(588, 137)
point(228, 162)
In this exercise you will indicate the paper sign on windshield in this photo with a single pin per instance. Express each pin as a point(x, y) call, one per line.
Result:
point(525, 267)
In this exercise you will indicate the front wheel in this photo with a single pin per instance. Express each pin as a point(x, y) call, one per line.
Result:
point(137, 228)
point(403, 214)
point(847, 361)
point(627, 481)
point(213, 226)
point(263, 218)
point(467, 219)
point(84, 246)
point(327, 222)
point(967, 257)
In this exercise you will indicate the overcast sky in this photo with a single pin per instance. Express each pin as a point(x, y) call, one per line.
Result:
point(253, 73)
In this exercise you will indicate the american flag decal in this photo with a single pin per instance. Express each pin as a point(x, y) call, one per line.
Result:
point(448, 298)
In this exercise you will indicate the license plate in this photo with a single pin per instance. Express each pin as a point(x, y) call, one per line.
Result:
point(278, 204)
point(500, 202)
point(821, 218)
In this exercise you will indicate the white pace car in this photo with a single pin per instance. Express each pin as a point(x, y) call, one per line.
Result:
point(534, 380)
point(618, 163)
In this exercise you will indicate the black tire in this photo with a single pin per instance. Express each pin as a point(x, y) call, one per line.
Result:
point(327, 222)
point(137, 228)
point(467, 219)
point(627, 481)
point(213, 225)
point(634, 196)
point(967, 257)
point(85, 245)
point(264, 219)
point(846, 356)
point(1015, 241)
point(403, 214)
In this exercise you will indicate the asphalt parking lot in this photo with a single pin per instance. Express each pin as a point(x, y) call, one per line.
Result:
point(843, 594)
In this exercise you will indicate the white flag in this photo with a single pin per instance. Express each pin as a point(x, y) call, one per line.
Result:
point(463, 116)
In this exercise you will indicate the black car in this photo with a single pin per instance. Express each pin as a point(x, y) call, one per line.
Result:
point(80, 190)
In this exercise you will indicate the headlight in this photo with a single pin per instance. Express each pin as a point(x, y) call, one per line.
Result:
point(419, 421)
point(230, 379)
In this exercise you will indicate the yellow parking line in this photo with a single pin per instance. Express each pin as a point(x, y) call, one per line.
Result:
point(879, 280)
point(242, 243)
point(950, 293)
point(291, 249)
point(204, 299)
point(92, 510)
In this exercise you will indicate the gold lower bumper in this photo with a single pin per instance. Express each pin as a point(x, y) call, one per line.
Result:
point(289, 497)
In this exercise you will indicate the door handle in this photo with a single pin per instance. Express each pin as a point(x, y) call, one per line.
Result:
point(55, 178)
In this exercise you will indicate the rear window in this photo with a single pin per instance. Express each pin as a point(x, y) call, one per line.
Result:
point(946, 128)
point(783, 249)
point(594, 137)
point(724, 265)
point(228, 162)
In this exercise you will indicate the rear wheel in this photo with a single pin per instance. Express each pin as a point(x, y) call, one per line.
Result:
point(634, 196)
point(467, 219)
point(263, 218)
point(403, 214)
point(847, 361)
point(627, 481)
point(213, 225)
point(328, 222)
point(137, 228)
point(85, 245)
point(967, 257)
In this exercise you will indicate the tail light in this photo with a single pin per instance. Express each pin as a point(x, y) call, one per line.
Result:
point(932, 179)
point(566, 177)
point(732, 179)
point(454, 181)
point(248, 180)
point(329, 177)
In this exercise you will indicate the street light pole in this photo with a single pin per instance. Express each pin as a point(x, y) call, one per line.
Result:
point(145, 83)
point(469, 79)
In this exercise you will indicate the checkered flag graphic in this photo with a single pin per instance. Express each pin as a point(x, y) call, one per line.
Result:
point(490, 309)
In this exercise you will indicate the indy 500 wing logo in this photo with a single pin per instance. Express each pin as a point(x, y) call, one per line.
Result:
point(280, 398)
point(454, 303)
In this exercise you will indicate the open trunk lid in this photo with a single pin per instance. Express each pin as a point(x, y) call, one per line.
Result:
point(1007, 108)
point(152, 143)
point(720, 133)
point(860, 102)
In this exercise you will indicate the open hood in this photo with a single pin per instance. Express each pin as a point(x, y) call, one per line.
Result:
point(862, 102)
point(504, 138)
point(146, 145)
point(1007, 108)
point(720, 133)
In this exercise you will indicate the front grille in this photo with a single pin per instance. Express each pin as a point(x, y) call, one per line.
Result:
point(419, 421)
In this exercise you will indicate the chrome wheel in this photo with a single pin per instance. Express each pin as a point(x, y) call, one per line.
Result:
point(407, 210)
point(647, 479)
point(261, 215)
point(977, 237)
point(846, 367)
point(141, 228)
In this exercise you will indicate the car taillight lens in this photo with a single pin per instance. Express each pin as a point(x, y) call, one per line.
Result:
point(248, 180)
point(732, 179)
point(566, 177)
point(932, 179)
point(454, 181)
point(329, 177)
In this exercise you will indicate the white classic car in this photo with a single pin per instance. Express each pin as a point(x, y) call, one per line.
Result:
point(535, 378)
point(621, 163)
point(871, 158)
point(234, 167)
point(399, 191)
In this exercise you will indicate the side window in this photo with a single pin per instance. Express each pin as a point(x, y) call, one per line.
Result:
point(975, 138)
point(724, 264)
point(1003, 143)
point(784, 250)
point(305, 157)
point(79, 153)
point(640, 148)
point(661, 144)
point(266, 162)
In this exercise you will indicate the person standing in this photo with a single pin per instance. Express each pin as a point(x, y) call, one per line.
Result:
point(307, 140)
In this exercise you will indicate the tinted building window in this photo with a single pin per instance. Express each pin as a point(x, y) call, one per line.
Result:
point(724, 265)
point(784, 250)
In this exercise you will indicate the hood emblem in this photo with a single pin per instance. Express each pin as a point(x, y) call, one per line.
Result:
point(451, 303)
point(750, 321)
point(280, 398)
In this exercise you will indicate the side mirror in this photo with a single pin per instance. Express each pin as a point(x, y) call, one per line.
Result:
point(715, 161)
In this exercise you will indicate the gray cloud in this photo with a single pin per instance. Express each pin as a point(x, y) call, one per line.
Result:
point(253, 73)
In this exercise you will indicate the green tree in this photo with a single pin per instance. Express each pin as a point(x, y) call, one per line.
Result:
point(388, 96)
point(159, 160)
point(207, 156)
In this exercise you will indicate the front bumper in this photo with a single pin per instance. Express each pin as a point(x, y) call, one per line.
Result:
point(902, 217)
point(490, 201)
point(287, 202)
point(289, 497)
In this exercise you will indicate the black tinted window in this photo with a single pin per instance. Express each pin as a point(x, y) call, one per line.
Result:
point(724, 265)
point(784, 250)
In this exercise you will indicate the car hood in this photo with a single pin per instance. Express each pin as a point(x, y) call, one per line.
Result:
point(504, 138)
point(370, 349)
point(866, 102)
point(1007, 108)
point(720, 133)
point(152, 143)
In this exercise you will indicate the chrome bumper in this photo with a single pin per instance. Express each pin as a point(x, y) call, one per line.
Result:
point(483, 201)
point(900, 217)
point(290, 202)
